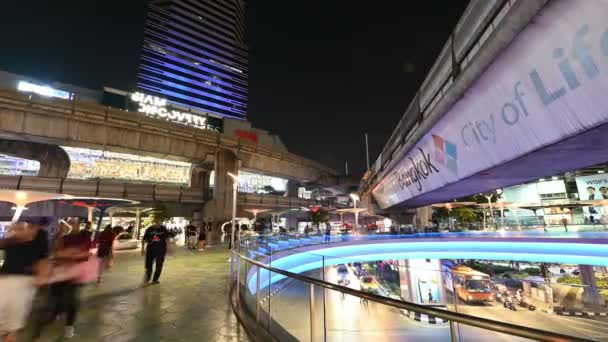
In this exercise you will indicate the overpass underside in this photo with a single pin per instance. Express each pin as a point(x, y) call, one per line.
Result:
point(537, 110)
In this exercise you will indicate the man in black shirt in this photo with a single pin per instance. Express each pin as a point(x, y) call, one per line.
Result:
point(154, 245)
point(25, 266)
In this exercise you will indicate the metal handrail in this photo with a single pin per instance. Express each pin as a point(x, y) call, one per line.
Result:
point(483, 323)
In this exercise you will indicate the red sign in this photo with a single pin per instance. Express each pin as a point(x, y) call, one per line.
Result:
point(246, 135)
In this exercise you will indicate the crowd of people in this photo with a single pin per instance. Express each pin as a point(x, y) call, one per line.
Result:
point(48, 268)
point(52, 268)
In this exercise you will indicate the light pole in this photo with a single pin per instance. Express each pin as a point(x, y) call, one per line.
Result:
point(489, 197)
point(235, 183)
point(500, 200)
point(355, 198)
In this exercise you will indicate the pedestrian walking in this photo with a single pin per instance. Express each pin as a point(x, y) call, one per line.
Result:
point(191, 236)
point(72, 253)
point(25, 267)
point(154, 246)
point(202, 237)
point(105, 250)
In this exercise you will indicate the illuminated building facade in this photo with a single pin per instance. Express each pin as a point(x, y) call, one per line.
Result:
point(194, 55)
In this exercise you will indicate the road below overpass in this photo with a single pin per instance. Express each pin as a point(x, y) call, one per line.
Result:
point(348, 319)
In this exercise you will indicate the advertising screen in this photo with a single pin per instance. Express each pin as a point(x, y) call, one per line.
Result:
point(593, 187)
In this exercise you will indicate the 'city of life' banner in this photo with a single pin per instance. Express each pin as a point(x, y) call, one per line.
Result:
point(549, 84)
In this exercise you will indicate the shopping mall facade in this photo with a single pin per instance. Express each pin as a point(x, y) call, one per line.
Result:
point(219, 145)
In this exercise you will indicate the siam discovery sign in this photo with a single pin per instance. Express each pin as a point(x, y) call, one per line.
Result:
point(156, 107)
point(548, 85)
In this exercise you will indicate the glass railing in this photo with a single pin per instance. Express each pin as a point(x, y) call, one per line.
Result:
point(347, 299)
point(263, 245)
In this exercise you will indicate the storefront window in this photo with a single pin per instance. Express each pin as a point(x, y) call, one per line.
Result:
point(13, 166)
point(256, 183)
point(96, 164)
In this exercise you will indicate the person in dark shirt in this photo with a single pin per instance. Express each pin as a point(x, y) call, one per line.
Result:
point(105, 249)
point(154, 246)
point(25, 267)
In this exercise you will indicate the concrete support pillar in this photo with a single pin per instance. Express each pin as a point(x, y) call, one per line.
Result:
point(292, 188)
point(292, 221)
point(225, 161)
point(54, 161)
point(137, 223)
point(90, 214)
point(591, 295)
point(423, 216)
point(200, 177)
point(219, 209)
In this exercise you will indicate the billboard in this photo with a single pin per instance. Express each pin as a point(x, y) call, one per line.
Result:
point(547, 85)
point(594, 187)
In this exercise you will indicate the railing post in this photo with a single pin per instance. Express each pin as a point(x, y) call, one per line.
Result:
point(231, 267)
point(312, 310)
point(257, 297)
point(238, 279)
point(453, 331)
point(269, 287)
point(324, 305)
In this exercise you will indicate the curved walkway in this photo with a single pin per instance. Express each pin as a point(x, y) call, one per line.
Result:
point(190, 304)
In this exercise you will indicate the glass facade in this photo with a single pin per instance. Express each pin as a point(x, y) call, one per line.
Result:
point(258, 184)
point(194, 54)
point(13, 166)
point(96, 164)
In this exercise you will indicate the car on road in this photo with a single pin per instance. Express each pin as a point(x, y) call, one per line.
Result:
point(342, 272)
point(369, 284)
point(125, 241)
point(342, 268)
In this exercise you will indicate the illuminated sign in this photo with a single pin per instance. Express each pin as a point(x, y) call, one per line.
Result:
point(157, 107)
point(246, 135)
point(43, 90)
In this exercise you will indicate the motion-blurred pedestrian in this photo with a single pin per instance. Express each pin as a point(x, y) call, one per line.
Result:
point(202, 237)
point(25, 267)
point(69, 259)
point(105, 250)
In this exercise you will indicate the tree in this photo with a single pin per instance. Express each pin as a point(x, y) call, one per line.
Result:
point(159, 213)
point(319, 215)
point(464, 215)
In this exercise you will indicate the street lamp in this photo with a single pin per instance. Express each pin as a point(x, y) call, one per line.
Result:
point(355, 198)
point(235, 183)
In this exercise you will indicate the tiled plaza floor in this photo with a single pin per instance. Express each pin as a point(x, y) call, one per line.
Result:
point(190, 304)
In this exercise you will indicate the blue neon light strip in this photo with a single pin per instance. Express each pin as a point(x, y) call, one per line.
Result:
point(562, 253)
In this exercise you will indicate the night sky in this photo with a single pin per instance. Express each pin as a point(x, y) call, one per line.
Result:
point(321, 73)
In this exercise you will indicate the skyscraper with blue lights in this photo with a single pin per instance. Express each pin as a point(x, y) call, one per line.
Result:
point(194, 55)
